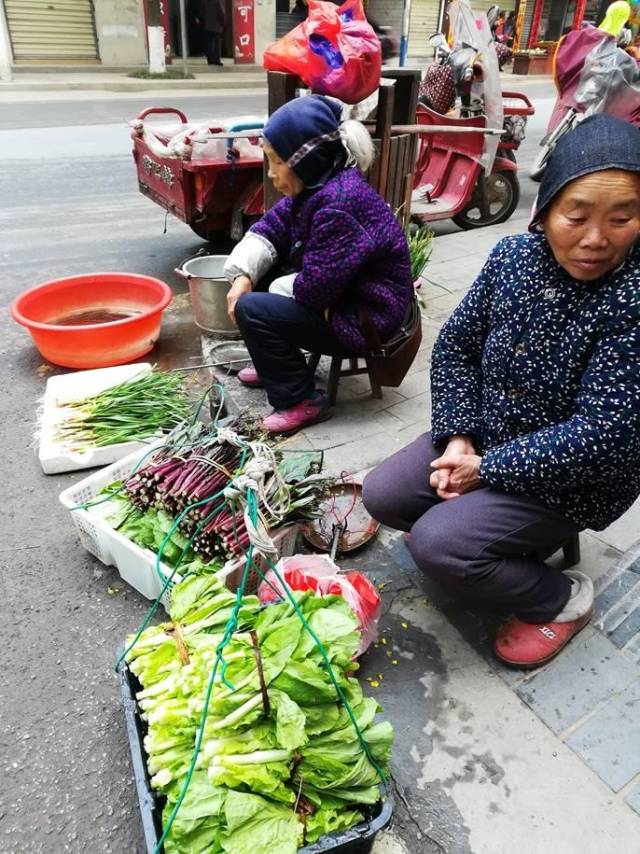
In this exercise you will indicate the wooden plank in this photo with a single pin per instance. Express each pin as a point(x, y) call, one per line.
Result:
point(373, 175)
point(396, 178)
point(281, 89)
point(409, 168)
point(407, 83)
point(401, 174)
point(383, 133)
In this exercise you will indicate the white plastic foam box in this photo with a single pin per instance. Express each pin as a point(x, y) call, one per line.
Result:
point(56, 456)
point(137, 566)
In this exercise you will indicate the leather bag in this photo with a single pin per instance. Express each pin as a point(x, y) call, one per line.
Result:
point(389, 362)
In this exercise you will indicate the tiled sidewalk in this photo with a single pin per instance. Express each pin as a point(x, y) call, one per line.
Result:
point(489, 759)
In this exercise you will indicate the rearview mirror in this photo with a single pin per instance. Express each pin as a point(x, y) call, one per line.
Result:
point(492, 14)
point(437, 40)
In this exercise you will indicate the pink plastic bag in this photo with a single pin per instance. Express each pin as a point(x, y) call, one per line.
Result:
point(334, 52)
point(320, 574)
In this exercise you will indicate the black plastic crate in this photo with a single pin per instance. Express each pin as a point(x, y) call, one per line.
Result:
point(356, 840)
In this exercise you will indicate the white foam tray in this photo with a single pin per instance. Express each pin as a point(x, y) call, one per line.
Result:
point(55, 456)
point(137, 566)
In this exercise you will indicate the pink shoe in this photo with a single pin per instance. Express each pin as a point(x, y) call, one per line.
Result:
point(249, 376)
point(308, 411)
point(532, 644)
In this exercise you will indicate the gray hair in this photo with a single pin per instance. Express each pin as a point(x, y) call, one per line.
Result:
point(357, 143)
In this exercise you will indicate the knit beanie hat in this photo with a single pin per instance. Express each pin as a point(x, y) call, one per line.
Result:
point(305, 133)
point(597, 143)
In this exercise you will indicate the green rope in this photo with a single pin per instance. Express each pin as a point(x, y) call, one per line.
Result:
point(230, 628)
point(327, 665)
point(188, 509)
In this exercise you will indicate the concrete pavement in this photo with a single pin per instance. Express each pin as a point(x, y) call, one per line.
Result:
point(486, 760)
point(490, 760)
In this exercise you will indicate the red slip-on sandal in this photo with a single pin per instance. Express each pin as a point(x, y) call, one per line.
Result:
point(533, 644)
point(310, 411)
point(249, 376)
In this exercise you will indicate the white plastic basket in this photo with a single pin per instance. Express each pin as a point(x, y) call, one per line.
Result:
point(137, 566)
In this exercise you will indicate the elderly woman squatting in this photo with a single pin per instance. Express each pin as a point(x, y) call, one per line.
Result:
point(328, 251)
point(535, 384)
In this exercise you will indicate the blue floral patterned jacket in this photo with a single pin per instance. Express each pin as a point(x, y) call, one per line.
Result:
point(544, 371)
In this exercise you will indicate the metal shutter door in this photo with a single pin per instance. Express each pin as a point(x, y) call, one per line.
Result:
point(484, 5)
point(424, 22)
point(387, 13)
point(51, 29)
point(526, 24)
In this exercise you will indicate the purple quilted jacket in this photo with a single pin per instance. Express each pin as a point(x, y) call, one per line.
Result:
point(350, 252)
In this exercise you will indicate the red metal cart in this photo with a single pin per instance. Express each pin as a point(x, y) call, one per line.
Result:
point(213, 185)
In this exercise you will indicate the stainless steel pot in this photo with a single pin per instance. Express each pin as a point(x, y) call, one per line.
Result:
point(209, 288)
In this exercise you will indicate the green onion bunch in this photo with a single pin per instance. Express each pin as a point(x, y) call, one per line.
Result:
point(420, 248)
point(132, 411)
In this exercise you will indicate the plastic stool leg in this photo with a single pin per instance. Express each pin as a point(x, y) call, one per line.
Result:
point(571, 550)
point(334, 379)
point(314, 361)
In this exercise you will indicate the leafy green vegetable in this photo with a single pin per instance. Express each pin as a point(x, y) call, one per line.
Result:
point(257, 826)
point(275, 735)
point(420, 248)
point(330, 820)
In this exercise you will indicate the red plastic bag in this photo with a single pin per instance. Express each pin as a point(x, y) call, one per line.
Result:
point(320, 574)
point(334, 52)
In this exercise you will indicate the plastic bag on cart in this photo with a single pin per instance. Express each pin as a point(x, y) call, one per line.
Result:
point(320, 574)
point(610, 83)
point(473, 30)
point(334, 52)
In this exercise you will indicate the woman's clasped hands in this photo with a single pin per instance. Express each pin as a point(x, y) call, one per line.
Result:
point(457, 470)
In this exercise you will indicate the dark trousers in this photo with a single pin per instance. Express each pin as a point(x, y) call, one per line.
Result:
point(484, 545)
point(213, 48)
point(275, 330)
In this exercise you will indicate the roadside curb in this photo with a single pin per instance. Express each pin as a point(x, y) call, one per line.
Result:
point(212, 83)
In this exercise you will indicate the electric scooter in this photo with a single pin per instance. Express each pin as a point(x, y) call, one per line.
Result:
point(593, 74)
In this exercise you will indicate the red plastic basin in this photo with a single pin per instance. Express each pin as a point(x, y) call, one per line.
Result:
point(95, 345)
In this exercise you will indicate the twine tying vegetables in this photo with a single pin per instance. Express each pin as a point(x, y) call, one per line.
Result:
point(258, 494)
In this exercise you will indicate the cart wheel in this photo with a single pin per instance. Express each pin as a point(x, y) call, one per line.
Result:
point(216, 235)
point(502, 197)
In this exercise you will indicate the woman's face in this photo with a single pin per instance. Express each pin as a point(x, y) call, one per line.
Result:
point(284, 178)
point(593, 222)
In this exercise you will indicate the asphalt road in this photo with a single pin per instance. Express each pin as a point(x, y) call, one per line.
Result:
point(70, 205)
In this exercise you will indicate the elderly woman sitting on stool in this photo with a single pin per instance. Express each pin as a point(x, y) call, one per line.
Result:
point(536, 403)
point(330, 250)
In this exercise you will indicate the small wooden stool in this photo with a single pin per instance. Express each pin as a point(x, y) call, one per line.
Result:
point(336, 371)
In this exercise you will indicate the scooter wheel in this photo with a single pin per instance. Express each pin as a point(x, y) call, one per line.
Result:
point(502, 197)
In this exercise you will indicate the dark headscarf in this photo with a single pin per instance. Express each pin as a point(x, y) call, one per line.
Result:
point(305, 133)
point(599, 142)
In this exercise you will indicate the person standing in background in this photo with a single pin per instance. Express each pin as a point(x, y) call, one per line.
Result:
point(509, 30)
point(211, 19)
